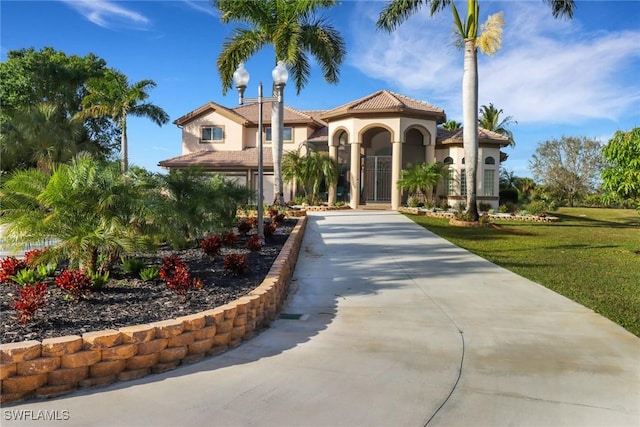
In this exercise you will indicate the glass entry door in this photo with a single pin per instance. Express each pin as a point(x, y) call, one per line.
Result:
point(378, 179)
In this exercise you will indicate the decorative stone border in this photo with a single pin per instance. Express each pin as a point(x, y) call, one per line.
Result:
point(501, 217)
point(56, 366)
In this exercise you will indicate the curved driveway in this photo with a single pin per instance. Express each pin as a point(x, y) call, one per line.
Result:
point(390, 325)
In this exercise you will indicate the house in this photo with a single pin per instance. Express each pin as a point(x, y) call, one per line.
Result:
point(372, 139)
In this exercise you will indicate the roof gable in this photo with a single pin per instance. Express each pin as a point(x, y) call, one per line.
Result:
point(385, 101)
point(207, 108)
point(455, 136)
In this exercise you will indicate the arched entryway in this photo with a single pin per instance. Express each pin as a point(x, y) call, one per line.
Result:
point(376, 166)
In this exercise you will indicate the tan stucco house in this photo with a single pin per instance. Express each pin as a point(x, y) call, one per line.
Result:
point(371, 139)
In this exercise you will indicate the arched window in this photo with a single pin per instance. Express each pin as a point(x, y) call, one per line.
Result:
point(448, 161)
point(463, 160)
point(489, 179)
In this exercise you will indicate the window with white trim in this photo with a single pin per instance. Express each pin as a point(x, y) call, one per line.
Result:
point(489, 182)
point(463, 182)
point(287, 134)
point(211, 134)
point(449, 177)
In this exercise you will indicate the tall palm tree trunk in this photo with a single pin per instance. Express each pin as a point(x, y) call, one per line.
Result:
point(470, 123)
point(124, 149)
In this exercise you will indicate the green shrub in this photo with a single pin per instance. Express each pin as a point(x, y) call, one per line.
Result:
point(413, 202)
point(27, 276)
point(150, 273)
point(539, 207)
point(484, 206)
point(132, 265)
point(98, 280)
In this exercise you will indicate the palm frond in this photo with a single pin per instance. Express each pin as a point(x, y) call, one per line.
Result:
point(490, 39)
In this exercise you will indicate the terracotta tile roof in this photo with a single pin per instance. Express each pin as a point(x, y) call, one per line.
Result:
point(291, 115)
point(445, 137)
point(319, 135)
point(247, 158)
point(385, 101)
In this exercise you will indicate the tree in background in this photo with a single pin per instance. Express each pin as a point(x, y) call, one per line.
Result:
point(489, 40)
point(621, 175)
point(451, 125)
point(113, 96)
point(568, 168)
point(489, 119)
point(294, 32)
point(40, 136)
point(31, 77)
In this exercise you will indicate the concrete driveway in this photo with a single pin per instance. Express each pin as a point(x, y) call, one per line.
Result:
point(390, 325)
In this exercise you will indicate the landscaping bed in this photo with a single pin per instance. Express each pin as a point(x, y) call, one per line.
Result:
point(126, 300)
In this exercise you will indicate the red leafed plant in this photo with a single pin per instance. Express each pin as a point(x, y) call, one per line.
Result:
point(75, 282)
point(9, 266)
point(31, 256)
point(276, 216)
point(236, 263)
point(244, 226)
point(270, 229)
point(253, 244)
point(211, 245)
point(175, 273)
point(30, 298)
point(229, 239)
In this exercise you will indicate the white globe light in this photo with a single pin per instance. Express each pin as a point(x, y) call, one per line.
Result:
point(241, 76)
point(280, 74)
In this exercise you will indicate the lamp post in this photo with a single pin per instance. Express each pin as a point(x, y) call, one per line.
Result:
point(241, 78)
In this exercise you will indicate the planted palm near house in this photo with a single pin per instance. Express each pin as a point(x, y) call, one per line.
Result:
point(89, 210)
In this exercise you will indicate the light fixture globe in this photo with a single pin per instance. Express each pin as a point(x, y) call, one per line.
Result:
point(280, 74)
point(241, 76)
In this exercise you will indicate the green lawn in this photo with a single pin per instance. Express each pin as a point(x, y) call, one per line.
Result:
point(591, 256)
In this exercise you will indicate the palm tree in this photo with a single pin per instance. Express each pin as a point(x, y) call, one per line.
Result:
point(114, 97)
point(294, 32)
point(292, 169)
point(92, 213)
point(40, 136)
point(422, 178)
point(451, 125)
point(490, 120)
point(489, 41)
point(310, 171)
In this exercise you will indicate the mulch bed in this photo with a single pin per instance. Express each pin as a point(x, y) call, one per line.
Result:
point(126, 301)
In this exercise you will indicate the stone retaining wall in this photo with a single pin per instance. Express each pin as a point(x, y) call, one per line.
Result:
point(55, 366)
point(442, 214)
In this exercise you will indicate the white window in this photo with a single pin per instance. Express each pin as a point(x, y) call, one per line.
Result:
point(287, 134)
point(212, 134)
point(463, 182)
point(450, 182)
point(489, 182)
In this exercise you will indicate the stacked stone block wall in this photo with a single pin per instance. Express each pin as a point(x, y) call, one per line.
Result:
point(55, 366)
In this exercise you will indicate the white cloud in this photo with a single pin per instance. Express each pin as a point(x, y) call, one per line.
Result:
point(549, 70)
point(108, 14)
point(201, 6)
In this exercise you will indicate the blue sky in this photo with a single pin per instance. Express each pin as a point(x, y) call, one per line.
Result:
point(555, 77)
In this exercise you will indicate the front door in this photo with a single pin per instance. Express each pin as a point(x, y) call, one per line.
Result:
point(378, 179)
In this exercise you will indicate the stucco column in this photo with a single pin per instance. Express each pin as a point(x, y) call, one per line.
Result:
point(430, 151)
point(354, 175)
point(333, 155)
point(396, 167)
